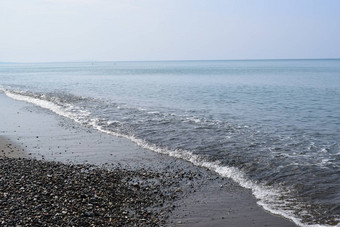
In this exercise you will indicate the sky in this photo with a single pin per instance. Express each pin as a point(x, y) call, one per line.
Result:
point(146, 30)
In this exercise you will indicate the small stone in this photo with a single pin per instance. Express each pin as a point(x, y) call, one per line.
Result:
point(88, 214)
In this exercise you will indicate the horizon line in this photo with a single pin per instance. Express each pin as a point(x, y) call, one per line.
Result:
point(188, 60)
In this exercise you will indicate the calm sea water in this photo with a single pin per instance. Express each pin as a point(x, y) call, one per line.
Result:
point(271, 125)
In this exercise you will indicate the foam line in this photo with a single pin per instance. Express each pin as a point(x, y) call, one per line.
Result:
point(267, 197)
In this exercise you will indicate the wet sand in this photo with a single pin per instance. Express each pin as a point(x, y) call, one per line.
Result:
point(198, 197)
point(10, 149)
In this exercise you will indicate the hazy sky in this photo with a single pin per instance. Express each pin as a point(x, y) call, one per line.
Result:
point(118, 30)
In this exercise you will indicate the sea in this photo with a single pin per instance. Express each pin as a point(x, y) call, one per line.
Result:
point(272, 126)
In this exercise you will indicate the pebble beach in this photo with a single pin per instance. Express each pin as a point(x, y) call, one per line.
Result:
point(39, 193)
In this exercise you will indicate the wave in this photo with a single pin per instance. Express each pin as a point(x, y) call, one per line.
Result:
point(268, 197)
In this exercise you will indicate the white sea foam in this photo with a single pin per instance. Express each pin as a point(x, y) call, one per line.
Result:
point(324, 150)
point(65, 111)
point(112, 122)
point(267, 197)
point(193, 119)
point(154, 112)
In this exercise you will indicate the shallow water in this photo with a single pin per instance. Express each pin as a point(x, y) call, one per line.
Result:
point(273, 126)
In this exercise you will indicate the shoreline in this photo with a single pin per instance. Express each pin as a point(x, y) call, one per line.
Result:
point(170, 198)
point(204, 198)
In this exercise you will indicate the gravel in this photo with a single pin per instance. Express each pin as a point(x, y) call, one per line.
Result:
point(40, 193)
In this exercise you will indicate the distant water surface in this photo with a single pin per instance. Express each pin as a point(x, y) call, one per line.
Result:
point(271, 125)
